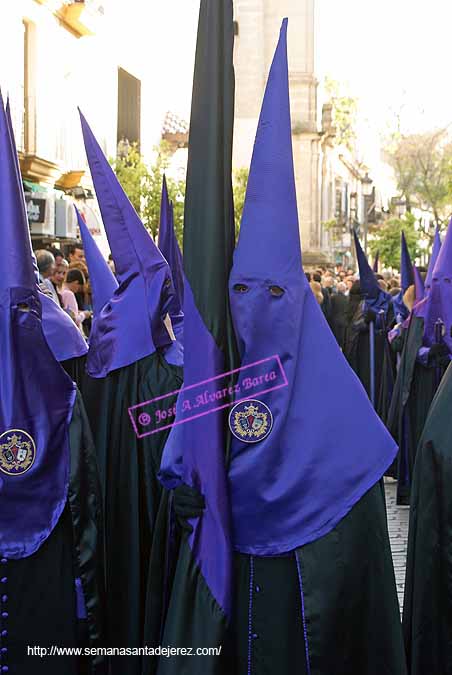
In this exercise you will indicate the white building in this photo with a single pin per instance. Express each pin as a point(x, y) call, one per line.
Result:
point(56, 55)
point(257, 27)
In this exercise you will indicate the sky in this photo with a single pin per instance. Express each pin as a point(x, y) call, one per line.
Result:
point(392, 55)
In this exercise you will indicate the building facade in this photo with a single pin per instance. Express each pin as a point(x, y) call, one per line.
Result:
point(56, 55)
point(257, 24)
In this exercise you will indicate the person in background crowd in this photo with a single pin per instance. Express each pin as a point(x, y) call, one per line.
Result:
point(83, 296)
point(329, 283)
point(46, 267)
point(338, 314)
point(74, 283)
point(316, 288)
point(75, 253)
point(394, 283)
point(59, 277)
point(57, 254)
point(349, 281)
point(325, 305)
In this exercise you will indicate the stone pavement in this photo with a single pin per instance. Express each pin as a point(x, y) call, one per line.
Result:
point(398, 517)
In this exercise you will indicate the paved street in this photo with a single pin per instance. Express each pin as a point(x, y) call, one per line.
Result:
point(398, 534)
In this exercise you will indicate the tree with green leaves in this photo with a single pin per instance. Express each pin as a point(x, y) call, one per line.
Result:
point(239, 183)
point(422, 165)
point(386, 240)
point(143, 186)
point(344, 114)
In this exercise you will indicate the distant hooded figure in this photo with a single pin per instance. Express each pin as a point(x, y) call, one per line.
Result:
point(132, 359)
point(298, 607)
point(170, 249)
point(427, 603)
point(425, 356)
point(375, 306)
point(51, 577)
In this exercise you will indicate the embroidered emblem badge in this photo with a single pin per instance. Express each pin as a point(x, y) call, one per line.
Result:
point(250, 421)
point(17, 452)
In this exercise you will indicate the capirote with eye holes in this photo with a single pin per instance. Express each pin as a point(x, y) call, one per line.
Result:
point(276, 291)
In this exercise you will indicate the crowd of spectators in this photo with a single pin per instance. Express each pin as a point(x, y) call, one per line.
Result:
point(336, 290)
point(66, 280)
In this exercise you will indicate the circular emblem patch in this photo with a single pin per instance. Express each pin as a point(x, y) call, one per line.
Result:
point(250, 421)
point(17, 452)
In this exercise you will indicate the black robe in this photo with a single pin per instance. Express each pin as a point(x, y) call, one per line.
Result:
point(338, 317)
point(41, 590)
point(134, 501)
point(414, 389)
point(427, 611)
point(357, 353)
point(346, 621)
point(76, 368)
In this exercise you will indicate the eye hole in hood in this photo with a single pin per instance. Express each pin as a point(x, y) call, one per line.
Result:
point(241, 288)
point(276, 291)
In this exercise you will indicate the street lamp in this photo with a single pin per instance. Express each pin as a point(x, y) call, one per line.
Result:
point(367, 192)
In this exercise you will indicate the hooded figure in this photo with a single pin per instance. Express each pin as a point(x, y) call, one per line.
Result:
point(132, 359)
point(298, 608)
point(425, 356)
point(427, 602)
point(433, 258)
point(64, 339)
point(376, 262)
point(407, 279)
point(171, 251)
point(376, 308)
point(50, 572)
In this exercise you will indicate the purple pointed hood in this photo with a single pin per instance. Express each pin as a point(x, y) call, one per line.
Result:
point(401, 311)
point(34, 446)
point(376, 262)
point(130, 326)
point(278, 484)
point(170, 249)
point(374, 297)
point(437, 304)
point(102, 280)
point(433, 258)
point(406, 266)
point(62, 335)
point(418, 285)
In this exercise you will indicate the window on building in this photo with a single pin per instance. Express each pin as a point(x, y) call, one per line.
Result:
point(129, 107)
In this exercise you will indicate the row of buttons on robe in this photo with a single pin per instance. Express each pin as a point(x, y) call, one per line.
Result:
point(257, 589)
point(4, 615)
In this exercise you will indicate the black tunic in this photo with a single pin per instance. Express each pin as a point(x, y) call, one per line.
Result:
point(345, 621)
point(132, 498)
point(41, 590)
point(357, 353)
point(414, 389)
point(427, 614)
